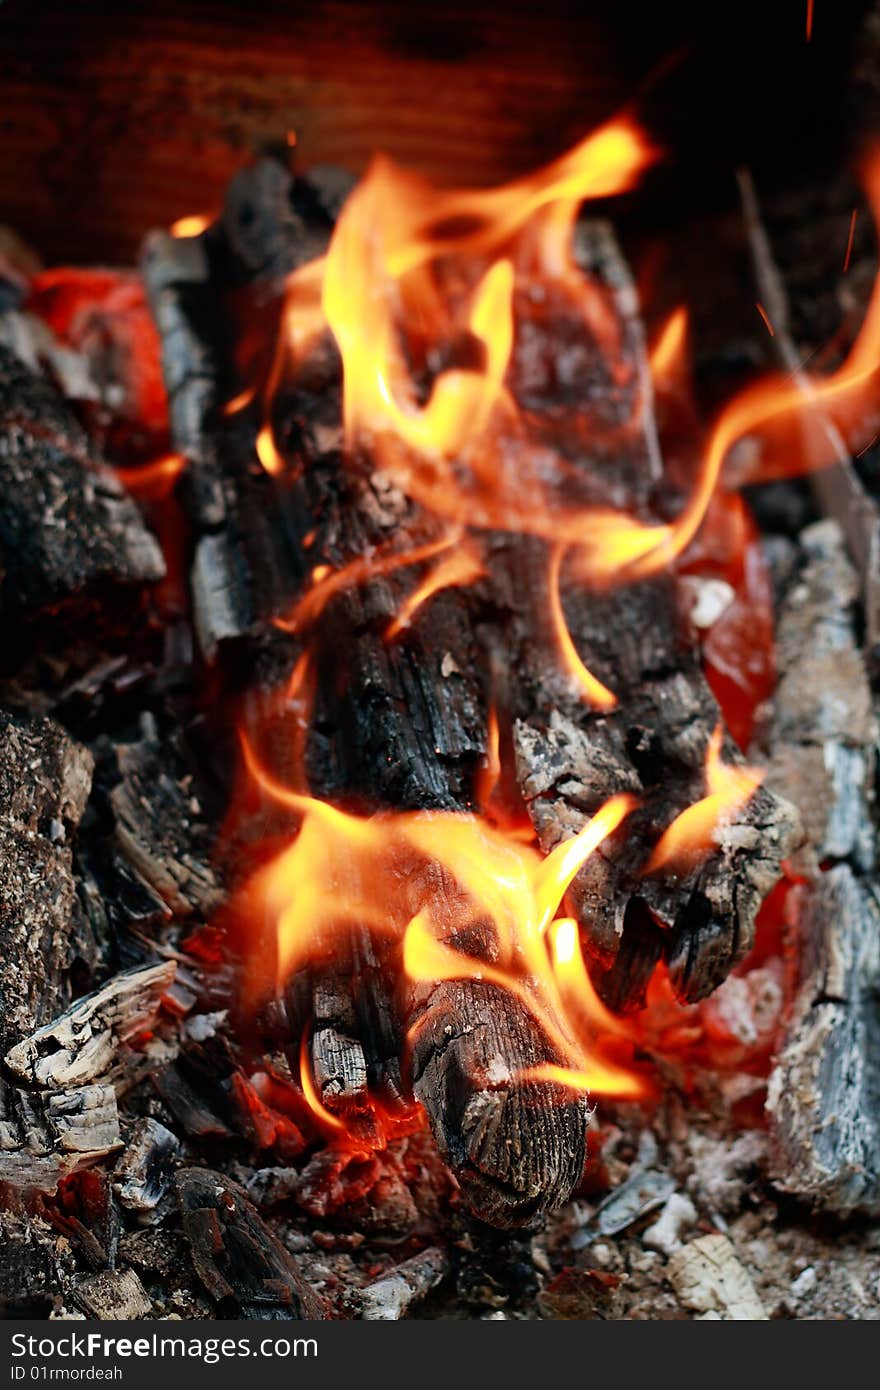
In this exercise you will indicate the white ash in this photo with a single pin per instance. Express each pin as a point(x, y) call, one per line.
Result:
point(709, 1278)
point(677, 1216)
point(723, 1168)
point(706, 599)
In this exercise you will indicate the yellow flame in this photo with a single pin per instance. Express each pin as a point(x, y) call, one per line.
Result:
point(691, 835)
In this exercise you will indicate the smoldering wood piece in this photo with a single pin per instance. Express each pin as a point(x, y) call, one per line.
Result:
point(823, 736)
point(269, 224)
point(115, 1295)
point(822, 1095)
point(46, 1135)
point(515, 1147)
point(390, 1297)
point(633, 639)
point(160, 827)
point(652, 745)
point(68, 529)
point(339, 1065)
point(84, 1042)
point(197, 1087)
point(274, 221)
point(45, 778)
point(143, 1174)
point(236, 1256)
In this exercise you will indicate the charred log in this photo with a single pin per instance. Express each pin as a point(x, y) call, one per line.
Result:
point(822, 1097)
point(44, 784)
point(67, 526)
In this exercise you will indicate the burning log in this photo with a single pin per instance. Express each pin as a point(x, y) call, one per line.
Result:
point(45, 779)
point(406, 728)
point(655, 745)
point(67, 525)
point(389, 707)
point(236, 1257)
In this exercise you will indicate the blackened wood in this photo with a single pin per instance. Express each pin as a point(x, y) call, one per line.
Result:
point(516, 1148)
point(400, 724)
point(177, 278)
point(822, 1096)
point(34, 1269)
point(84, 1042)
point(653, 744)
point(160, 828)
point(45, 779)
point(143, 1174)
point(236, 1257)
point(67, 526)
point(46, 1135)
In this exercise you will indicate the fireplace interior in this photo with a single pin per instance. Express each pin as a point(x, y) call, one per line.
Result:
point(439, 690)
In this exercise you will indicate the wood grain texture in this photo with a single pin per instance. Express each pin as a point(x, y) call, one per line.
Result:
point(114, 120)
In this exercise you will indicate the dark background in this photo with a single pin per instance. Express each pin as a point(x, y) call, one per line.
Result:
point(115, 119)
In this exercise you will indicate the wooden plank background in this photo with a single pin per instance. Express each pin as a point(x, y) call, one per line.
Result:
point(116, 118)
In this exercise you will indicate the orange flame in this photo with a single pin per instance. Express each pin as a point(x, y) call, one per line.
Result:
point(667, 357)
point(691, 835)
point(327, 582)
point(344, 871)
point(591, 689)
point(153, 481)
point(192, 225)
point(462, 567)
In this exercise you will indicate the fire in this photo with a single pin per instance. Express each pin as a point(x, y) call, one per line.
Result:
point(421, 290)
point(462, 566)
point(192, 225)
point(691, 835)
point(668, 353)
point(154, 481)
point(343, 871)
point(591, 689)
